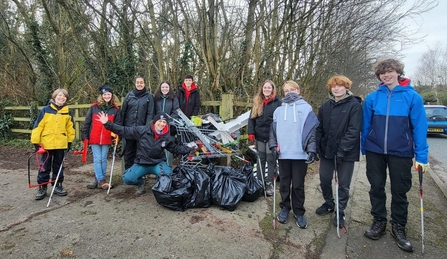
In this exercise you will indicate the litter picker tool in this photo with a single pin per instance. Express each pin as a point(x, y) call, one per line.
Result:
point(421, 196)
point(113, 160)
point(36, 154)
point(83, 152)
point(337, 199)
point(57, 178)
point(275, 169)
point(259, 171)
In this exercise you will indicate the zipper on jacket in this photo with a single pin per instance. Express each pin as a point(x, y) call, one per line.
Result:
point(385, 139)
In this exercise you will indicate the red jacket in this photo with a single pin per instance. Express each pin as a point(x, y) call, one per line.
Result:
point(94, 130)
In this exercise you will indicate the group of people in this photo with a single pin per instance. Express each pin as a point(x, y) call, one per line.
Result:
point(389, 129)
point(142, 122)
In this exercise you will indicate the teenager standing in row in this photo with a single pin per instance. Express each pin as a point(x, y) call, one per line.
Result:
point(265, 103)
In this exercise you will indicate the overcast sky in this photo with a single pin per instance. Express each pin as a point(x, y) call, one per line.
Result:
point(434, 25)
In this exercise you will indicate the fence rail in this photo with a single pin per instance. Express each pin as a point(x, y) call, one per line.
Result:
point(226, 109)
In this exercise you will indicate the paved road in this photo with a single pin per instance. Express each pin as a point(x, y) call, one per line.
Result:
point(91, 224)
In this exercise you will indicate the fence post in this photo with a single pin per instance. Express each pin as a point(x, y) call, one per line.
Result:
point(77, 123)
point(226, 107)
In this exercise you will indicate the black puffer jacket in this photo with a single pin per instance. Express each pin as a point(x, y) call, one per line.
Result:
point(192, 106)
point(339, 129)
point(136, 110)
point(150, 151)
point(260, 126)
point(167, 105)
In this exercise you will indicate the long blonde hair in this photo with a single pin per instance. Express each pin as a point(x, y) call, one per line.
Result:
point(258, 100)
point(113, 102)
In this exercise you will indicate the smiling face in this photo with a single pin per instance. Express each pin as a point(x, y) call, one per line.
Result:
point(107, 96)
point(267, 90)
point(390, 78)
point(164, 88)
point(160, 125)
point(60, 99)
point(188, 83)
point(139, 83)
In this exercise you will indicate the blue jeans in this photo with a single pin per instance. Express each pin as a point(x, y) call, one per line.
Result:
point(134, 174)
point(100, 160)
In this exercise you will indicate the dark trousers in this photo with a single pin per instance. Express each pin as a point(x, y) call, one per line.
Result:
point(130, 151)
point(399, 169)
point(51, 161)
point(265, 155)
point(344, 172)
point(291, 186)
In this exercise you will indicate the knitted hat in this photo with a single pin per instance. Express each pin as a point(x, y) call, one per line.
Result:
point(105, 89)
point(161, 116)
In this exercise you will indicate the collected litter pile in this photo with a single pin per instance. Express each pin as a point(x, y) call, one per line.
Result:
point(194, 184)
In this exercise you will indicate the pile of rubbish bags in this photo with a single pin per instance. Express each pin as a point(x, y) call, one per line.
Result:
point(194, 187)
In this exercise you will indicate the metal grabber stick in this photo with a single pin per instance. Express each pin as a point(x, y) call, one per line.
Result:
point(421, 196)
point(57, 177)
point(336, 197)
point(275, 169)
point(113, 161)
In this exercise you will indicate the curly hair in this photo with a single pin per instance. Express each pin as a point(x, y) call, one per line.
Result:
point(339, 80)
point(258, 100)
point(383, 66)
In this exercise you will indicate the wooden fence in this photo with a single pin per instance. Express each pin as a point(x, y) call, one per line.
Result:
point(226, 110)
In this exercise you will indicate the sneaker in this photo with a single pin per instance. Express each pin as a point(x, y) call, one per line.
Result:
point(325, 209)
point(269, 189)
point(140, 187)
point(398, 232)
point(93, 184)
point(377, 229)
point(103, 184)
point(341, 220)
point(41, 193)
point(301, 221)
point(283, 215)
point(59, 190)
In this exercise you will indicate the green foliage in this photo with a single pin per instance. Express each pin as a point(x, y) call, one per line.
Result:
point(18, 143)
point(34, 111)
point(6, 120)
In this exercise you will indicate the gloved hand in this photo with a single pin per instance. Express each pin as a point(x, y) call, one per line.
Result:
point(339, 157)
point(424, 166)
point(251, 137)
point(311, 157)
point(275, 153)
point(36, 147)
point(69, 146)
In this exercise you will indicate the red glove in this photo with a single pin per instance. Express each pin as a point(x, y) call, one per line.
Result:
point(251, 137)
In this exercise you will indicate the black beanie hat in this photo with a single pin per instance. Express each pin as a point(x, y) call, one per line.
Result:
point(161, 116)
point(105, 89)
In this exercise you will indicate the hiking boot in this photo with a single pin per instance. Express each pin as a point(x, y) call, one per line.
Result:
point(283, 215)
point(93, 184)
point(377, 229)
point(59, 190)
point(41, 193)
point(398, 232)
point(269, 189)
point(103, 184)
point(325, 209)
point(341, 220)
point(301, 221)
point(140, 187)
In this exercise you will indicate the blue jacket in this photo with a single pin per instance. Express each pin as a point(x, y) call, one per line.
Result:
point(394, 122)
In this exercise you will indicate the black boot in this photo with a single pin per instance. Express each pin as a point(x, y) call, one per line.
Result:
point(59, 190)
point(41, 193)
point(377, 229)
point(398, 232)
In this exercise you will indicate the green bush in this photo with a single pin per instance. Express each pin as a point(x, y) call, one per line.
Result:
point(6, 120)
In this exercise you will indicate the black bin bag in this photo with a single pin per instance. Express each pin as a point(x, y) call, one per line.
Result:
point(201, 187)
point(227, 187)
point(173, 190)
point(254, 185)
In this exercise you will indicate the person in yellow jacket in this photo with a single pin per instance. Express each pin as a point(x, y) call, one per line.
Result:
point(54, 131)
